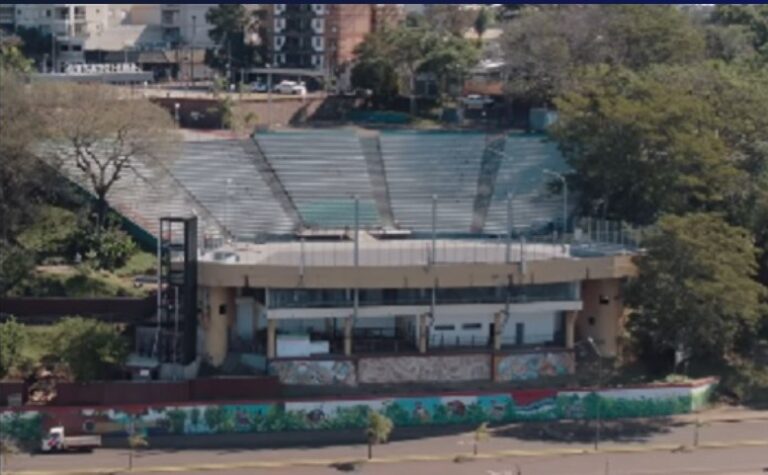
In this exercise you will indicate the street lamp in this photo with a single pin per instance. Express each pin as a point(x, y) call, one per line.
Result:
point(561, 177)
point(269, 94)
point(599, 383)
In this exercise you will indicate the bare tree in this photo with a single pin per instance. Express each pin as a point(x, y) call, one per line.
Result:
point(105, 135)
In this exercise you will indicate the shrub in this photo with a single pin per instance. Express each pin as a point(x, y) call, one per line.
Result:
point(13, 338)
point(89, 347)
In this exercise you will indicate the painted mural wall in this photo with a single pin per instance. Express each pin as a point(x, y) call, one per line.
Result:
point(527, 366)
point(524, 405)
point(315, 372)
point(403, 369)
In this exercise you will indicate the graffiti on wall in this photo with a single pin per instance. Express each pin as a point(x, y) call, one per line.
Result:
point(517, 406)
point(315, 373)
point(425, 368)
point(522, 367)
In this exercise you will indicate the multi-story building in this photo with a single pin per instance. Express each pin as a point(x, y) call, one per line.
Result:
point(186, 24)
point(70, 24)
point(388, 15)
point(378, 254)
point(7, 17)
point(316, 35)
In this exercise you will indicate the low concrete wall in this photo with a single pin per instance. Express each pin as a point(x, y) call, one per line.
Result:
point(315, 372)
point(427, 368)
point(26, 424)
point(528, 366)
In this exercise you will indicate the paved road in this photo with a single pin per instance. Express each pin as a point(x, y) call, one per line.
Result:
point(632, 434)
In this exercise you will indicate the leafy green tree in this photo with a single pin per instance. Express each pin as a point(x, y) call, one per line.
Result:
point(11, 56)
point(482, 21)
point(89, 347)
point(135, 441)
point(238, 33)
point(378, 430)
point(13, 338)
point(410, 51)
point(747, 21)
point(695, 289)
point(545, 46)
point(35, 43)
point(108, 248)
point(663, 141)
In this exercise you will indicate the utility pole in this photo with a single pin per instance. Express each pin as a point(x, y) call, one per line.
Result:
point(192, 48)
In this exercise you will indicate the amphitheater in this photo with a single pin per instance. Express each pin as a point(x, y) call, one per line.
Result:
point(278, 183)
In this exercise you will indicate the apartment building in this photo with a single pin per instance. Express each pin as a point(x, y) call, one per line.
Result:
point(316, 35)
point(185, 23)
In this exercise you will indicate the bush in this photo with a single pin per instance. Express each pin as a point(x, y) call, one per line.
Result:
point(107, 249)
point(13, 338)
point(90, 348)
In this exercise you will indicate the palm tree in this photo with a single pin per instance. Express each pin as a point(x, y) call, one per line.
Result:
point(135, 441)
point(378, 430)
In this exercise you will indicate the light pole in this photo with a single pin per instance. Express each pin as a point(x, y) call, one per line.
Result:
point(176, 107)
point(561, 177)
point(599, 384)
point(192, 49)
point(269, 95)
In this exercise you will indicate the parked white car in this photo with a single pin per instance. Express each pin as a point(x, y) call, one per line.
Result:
point(476, 101)
point(291, 87)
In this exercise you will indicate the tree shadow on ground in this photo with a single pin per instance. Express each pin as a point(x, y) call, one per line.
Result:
point(578, 432)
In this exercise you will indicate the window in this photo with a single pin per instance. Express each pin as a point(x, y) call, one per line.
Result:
point(472, 326)
point(77, 48)
point(223, 309)
point(445, 328)
point(47, 13)
point(591, 321)
point(604, 300)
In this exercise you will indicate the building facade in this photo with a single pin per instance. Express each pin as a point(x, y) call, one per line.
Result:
point(316, 35)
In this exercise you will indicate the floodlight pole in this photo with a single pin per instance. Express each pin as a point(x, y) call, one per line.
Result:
point(357, 254)
point(561, 177)
point(434, 230)
point(599, 354)
point(508, 256)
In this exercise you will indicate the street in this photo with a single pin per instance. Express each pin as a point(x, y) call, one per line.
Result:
point(666, 447)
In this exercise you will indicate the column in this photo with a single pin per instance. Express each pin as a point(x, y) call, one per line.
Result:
point(570, 326)
point(348, 336)
point(423, 333)
point(271, 339)
point(218, 310)
point(498, 324)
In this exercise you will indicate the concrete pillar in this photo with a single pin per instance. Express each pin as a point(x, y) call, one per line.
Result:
point(498, 324)
point(348, 336)
point(423, 333)
point(216, 335)
point(271, 339)
point(570, 329)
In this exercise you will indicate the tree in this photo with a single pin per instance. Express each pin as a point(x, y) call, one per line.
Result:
point(482, 21)
point(695, 288)
point(11, 56)
point(448, 18)
point(378, 430)
point(545, 46)
point(661, 141)
point(237, 31)
point(25, 182)
point(379, 76)
point(106, 136)
point(89, 347)
point(13, 338)
point(35, 44)
point(748, 21)
point(135, 441)
point(410, 51)
point(481, 434)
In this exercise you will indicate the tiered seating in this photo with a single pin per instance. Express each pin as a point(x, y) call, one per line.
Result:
point(521, 173)
point(419, 165)
point(146, 195)
point(221, 175)
point(322, 172)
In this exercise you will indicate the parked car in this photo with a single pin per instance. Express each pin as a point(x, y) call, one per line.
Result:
point(291, 87)
point(57, 441)
point(476, 101)
point(258, 86)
